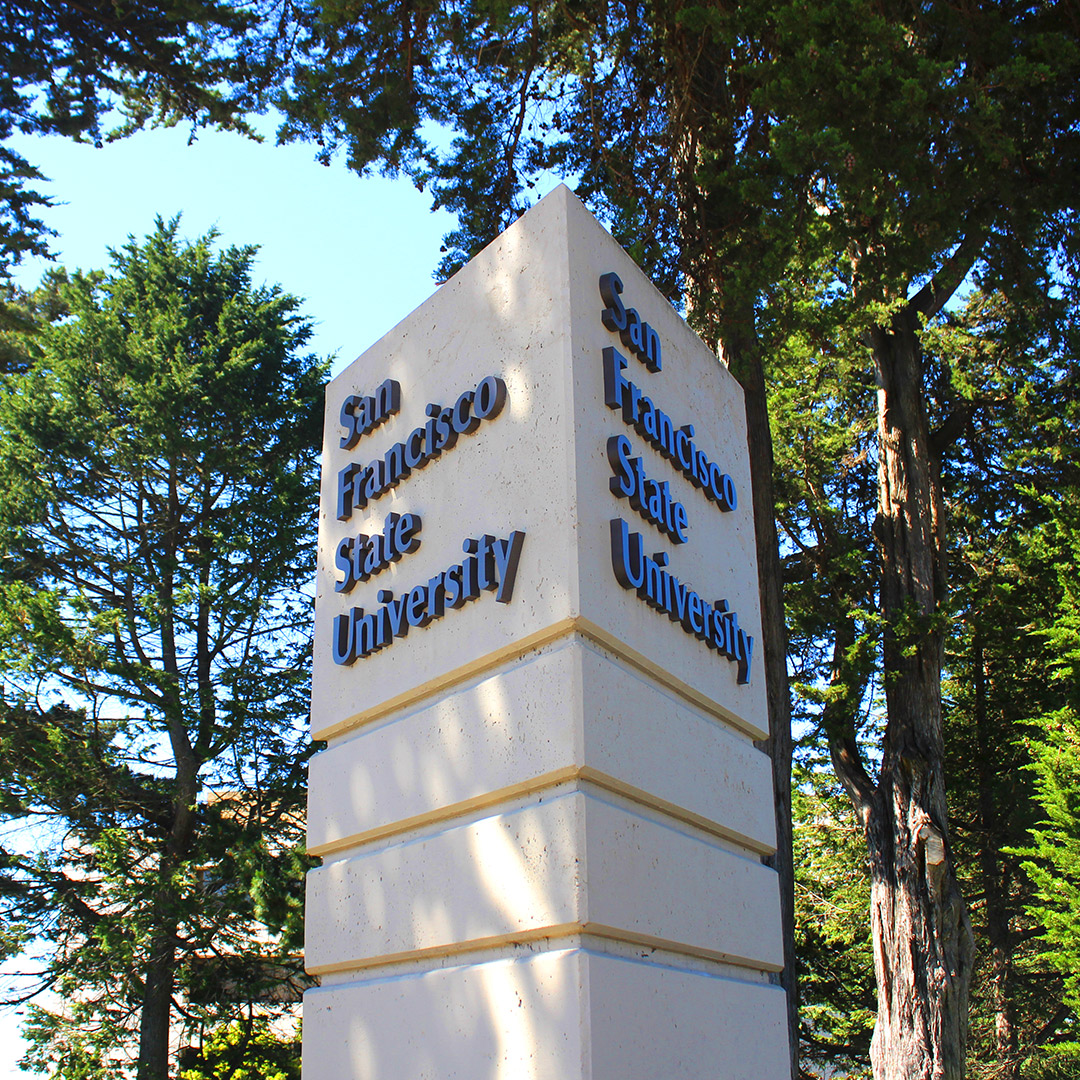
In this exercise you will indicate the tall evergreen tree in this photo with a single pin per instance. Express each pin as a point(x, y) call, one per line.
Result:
point(158, 458)
point(1001, 356)
point(1001, 397)
point(1039, 990)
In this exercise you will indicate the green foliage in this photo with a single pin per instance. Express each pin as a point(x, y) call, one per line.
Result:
point(1002, 402)
point(66, 66)
point(1054, 856)
point(80, 1046)
point(712, 138)
point(21, 233)
point(822, 410)
point(74, 69)
point(832, 930)
point(158, 455)
point(1003, 391)
point(243, 1050)
point(1059, 1061)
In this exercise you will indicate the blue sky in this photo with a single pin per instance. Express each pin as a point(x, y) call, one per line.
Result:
point(359, 252)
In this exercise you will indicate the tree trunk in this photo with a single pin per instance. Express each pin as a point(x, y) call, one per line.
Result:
point(157, 1006)
point(155, 1021)
point(923, 950)
point(995, 873)
point(744, 360)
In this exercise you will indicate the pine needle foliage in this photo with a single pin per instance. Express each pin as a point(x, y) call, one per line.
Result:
point(158, 458)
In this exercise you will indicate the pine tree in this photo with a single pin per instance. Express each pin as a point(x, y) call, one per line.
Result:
point(158, 457)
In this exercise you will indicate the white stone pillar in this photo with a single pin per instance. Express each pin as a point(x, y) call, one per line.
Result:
point(540, 811)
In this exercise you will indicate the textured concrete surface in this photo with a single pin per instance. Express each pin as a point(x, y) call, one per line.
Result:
point(559, 864)
point(557, 1015)
point(527, 309)
point(566, 708)
point(542, 821)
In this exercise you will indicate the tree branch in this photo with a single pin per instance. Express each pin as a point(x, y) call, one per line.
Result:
point(937, 292)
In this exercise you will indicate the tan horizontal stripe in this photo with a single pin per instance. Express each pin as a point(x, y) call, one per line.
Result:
point(544, 782)
point(556, 933)
point(447, 680)
point(513, 651)
point(448, 813)
point(628, 937)
point(673, 810)
point(665, 678)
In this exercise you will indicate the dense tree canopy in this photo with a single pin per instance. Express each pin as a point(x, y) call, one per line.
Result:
point(101, 69)
point(156, 544)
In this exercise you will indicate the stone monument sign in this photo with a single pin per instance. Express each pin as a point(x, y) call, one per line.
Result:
point(540, 812)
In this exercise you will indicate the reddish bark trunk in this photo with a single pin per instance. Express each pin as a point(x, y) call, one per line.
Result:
point(923, 950)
